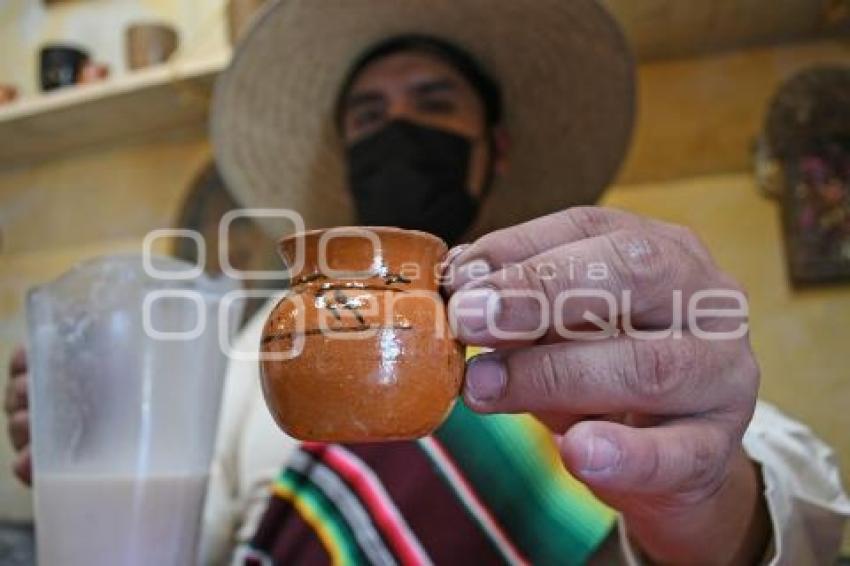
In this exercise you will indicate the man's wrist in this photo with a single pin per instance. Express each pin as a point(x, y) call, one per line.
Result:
point(731, 526)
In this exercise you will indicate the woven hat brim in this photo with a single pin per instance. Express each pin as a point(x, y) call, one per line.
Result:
point(566, 71)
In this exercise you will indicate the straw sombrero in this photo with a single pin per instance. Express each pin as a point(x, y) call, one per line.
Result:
point(564, 66)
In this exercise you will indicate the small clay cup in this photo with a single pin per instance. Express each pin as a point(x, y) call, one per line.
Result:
point(93, 72)
point(8, 93)
point(377, 360)
point(150, 44)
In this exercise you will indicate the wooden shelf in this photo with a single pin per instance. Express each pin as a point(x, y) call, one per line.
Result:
point(674, 29)
point(170, 96)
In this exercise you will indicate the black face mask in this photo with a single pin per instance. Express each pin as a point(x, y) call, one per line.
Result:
point(413, 177)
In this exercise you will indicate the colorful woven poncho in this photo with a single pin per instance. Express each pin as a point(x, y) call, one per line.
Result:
point(481, 490)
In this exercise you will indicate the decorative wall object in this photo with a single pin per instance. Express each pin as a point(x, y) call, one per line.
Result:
point(808, 133)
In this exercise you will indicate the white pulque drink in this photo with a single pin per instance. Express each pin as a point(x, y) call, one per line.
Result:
point(126, 375)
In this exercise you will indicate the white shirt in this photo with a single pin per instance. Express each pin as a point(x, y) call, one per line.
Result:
point(805, 498)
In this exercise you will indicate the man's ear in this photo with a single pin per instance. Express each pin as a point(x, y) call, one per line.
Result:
point(501, 146)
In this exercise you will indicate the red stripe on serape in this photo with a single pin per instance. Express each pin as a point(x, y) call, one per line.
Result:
point(368, 487)
point(429, 504)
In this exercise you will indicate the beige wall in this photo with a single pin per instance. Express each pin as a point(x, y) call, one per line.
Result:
point(700, 116)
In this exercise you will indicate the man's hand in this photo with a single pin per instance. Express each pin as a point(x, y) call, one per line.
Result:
point(17, 415)
point(652, 423)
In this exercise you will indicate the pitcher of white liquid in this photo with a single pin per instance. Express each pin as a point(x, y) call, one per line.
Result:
point(126, 375)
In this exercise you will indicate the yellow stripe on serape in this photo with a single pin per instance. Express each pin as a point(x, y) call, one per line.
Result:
point(541, 437)
point(312, 513)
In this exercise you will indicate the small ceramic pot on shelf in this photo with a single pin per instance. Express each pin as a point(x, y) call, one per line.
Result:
point(150, 43)
point(8, 93)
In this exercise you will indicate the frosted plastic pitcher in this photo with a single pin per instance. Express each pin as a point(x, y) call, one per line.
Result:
point(126, 379)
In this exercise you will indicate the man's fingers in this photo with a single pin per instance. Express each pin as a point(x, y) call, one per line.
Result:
point(672, 377)
point(18, 363)
point(19, 429)
point(16, 394)
point(644, 279)
point(518, 243)
point(679, 457)
point(22, 466)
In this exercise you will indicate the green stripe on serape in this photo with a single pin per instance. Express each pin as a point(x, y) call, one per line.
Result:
point(515, 470)
point(333, 530)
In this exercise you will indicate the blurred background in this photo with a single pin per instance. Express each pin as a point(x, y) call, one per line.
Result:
point(742, 135)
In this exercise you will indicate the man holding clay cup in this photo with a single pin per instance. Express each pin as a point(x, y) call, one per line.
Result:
point(614, 416)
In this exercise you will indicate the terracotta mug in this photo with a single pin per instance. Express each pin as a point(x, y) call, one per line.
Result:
point(360, 348)
point(150, 44)
point(8, 93)
point(93, 72)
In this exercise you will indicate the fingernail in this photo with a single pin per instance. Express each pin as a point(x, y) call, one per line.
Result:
point(472, 271)
point(601, 455)
point(454, 252)
point(470, 308)
point(485, 378)
point(447, 278)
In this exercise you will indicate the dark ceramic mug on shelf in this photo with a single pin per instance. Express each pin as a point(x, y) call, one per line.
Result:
point(60, 65)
